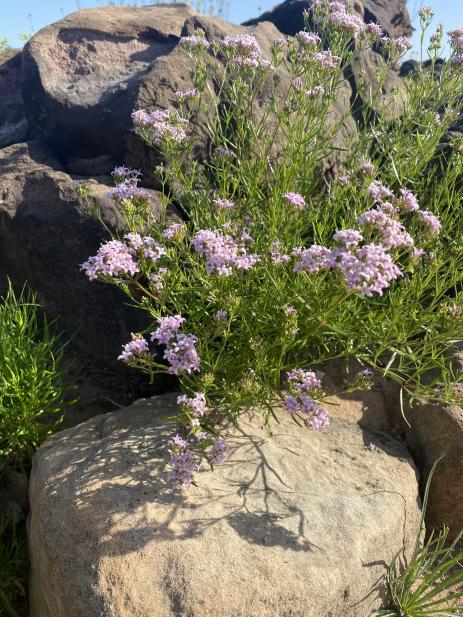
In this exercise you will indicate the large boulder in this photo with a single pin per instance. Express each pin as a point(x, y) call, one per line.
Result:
point(293, 523)
point(435, 431)
point(13, 123)
point(82, 75)
point(46, 232)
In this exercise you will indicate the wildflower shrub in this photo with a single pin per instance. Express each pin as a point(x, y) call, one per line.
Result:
point(273, 269)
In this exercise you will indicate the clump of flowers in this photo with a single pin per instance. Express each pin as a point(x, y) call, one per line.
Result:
point(161, 127)
point(304, 388)
point(136, 349)
point(113, 259)
point(195, 43)
point(180, 349)
point(243, 51)
point(294, 199)
point(222, 252)
point(183, 461)
point(255, 284)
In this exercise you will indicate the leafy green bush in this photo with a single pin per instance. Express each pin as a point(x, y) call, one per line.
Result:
point(12, 568)
point(31, 380)
point(430, 583)
point(275, 267)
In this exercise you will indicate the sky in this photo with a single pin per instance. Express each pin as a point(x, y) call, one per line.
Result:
point(29, 16)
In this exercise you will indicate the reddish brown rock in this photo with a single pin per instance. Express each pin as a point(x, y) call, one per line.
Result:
point(46, 232)
point(13, 123)
point(82, 76)
point(435, 431)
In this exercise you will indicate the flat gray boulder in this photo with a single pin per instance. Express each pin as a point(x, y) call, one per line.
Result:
point(294, 523)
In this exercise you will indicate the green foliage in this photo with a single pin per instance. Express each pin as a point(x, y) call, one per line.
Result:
point(31, 380)
point(430, 583)
point(13, 567)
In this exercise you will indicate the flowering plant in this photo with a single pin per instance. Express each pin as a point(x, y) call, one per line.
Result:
point(271, 271)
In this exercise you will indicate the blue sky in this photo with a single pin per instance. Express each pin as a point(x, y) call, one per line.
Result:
point(26, 16)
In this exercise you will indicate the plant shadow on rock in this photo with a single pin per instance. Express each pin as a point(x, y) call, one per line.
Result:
point(122, 472)
point(142, 478)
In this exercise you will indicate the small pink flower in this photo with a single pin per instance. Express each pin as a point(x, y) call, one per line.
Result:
point(294, 199)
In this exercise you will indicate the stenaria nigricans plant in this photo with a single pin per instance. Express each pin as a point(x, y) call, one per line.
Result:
point(276, 267)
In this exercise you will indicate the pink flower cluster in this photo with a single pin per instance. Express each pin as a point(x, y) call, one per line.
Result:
point(343, 20)
point(168, 327)
point(303, 386)
point(161, 126)
point(277, 256)
point(408, 201)
point(223, 204)
point(180, 350)
point(218, 452)
point(340, 15)
point(308, 39)
point(184, 463)
point(326, 59)
point(126, 173)
point(385, 217)
point(135, 349)
point(148, 246)
point(157, 279)
point(242, 45)
point(126, 187)
point(128, 190)
point(348, 238)
point(186, 95)
point(366, 270)
point(391, 231)
point(430, 221)
point(195, 404)
point(175, 230)
point(113, 259)
point(396, 46)
point(369, 268)
point(294, 199)
point(244, 51)
point(315, 92)
point(456, 39)
point(456, 44)
point(426, 12)
point(374, 30)
point(313, 259)
point(222, 252)
point(181, 354)
point(278, 44)
point(195, 42)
